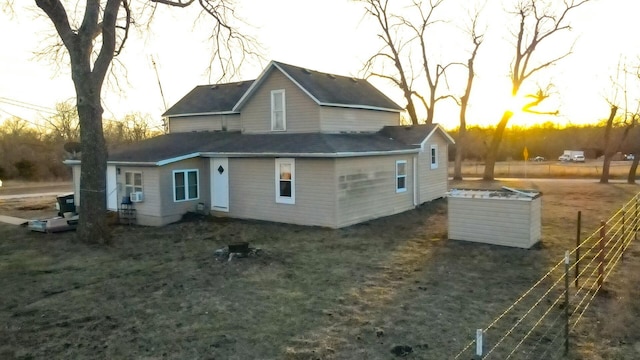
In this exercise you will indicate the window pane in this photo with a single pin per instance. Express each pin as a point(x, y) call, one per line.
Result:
point(179, 183)
point(285, 188)
point(277, 101)
point(193, 184)
point(285, 171)
point(401, 182)
point(402, 168)
point(127, 178)
point(137, 178)
point(278, 123)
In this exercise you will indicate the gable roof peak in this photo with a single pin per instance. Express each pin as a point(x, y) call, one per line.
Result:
point(327, 89)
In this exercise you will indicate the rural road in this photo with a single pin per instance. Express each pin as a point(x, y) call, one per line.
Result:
point(8, 192)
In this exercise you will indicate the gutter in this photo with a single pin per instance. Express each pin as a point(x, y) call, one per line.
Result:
point(254, 155)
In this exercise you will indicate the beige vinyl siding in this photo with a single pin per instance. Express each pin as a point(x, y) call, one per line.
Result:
point(172, 211)
point(149, 209)
point(230, 122)
point(367, 188)
point(433, 183)
point(338, 119)
point(253, 194)
point(504, 222)
point(302, 113)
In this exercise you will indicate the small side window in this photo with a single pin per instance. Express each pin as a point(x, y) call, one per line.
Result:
point(285, 181)
point(401, 176)
point(434, 156)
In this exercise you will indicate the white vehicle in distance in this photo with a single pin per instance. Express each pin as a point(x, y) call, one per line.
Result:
point(564, 157)
point(578, 158)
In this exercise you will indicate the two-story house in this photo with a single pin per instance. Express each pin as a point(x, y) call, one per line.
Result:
point(293, 146)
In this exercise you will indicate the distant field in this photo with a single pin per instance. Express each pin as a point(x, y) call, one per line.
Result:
point(546, 169)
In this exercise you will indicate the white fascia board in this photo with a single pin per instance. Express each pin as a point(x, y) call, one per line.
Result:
point(257, 82)
point(230, 112)
point(141, 163)
point(364, 107)
point(437, 127)
point(310, 155)
point(178, 158)
point(297, 84)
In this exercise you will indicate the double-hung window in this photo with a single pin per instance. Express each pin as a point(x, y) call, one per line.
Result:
point(434, 156)
point(185, 185)
point(401, 176)
point(278, 112)
point(132, 182)
point(286, 181)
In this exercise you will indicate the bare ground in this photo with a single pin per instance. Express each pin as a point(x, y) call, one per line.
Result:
point(311, 293)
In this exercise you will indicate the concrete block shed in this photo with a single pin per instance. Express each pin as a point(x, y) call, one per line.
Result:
point(507, 217)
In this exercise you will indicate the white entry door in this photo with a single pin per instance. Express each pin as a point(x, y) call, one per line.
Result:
point(219, 184)
point(112, 188)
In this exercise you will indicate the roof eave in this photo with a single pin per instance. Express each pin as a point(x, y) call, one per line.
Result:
point(228, 112)
point(364, 107)
point(343, 154)
point(438, 127)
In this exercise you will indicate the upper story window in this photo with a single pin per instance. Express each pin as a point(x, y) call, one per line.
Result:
point(132, 182)
point(286, 181)
point(434, 156)
point(185, 185)
point(401, 176)
point(278, 113)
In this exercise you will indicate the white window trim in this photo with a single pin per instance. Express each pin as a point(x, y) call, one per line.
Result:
point(398, 162)
point(284, 110)
point(286, 199)
point(186, 184)
point(434, 164)
point(133, 178)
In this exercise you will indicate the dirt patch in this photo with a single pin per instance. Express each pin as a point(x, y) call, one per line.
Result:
point(370, 291)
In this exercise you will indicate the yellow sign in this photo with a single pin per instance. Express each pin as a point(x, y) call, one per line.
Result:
point(525, 153)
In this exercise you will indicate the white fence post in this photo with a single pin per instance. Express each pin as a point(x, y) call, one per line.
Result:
point(479, 344)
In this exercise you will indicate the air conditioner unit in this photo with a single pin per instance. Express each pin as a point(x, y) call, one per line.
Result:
point(136, 196)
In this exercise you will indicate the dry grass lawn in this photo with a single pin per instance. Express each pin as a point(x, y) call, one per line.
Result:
point(311, 293)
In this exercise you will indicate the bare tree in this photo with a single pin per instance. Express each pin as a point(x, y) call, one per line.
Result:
point(538, 22)
point(392, 50)
point(64, 124)
point(92, 45)
point(476, 39)
point(627, 120)
point(433, 73)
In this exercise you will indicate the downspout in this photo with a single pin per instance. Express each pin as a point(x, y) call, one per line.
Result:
point(415, 181)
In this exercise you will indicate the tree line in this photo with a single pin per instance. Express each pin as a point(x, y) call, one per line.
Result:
point(35, 151)
point(547, 140)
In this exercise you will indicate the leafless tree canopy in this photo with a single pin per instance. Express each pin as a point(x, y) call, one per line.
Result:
point(400, 37)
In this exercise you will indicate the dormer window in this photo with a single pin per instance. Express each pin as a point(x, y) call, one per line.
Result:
point(278, 114)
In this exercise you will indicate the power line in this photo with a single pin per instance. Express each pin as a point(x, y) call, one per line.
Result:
point(26, 105)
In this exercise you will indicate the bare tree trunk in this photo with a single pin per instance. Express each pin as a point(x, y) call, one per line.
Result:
point(608, 153)
point(631, 178)
point(460, 142)
point(464, 102)
point(492, 153)
point(92, 227)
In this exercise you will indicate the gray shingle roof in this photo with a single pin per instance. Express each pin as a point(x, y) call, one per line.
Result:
point(210, 99)
point(171, 146)
point(413, 134)
point(325, 88)
point(338, 90)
